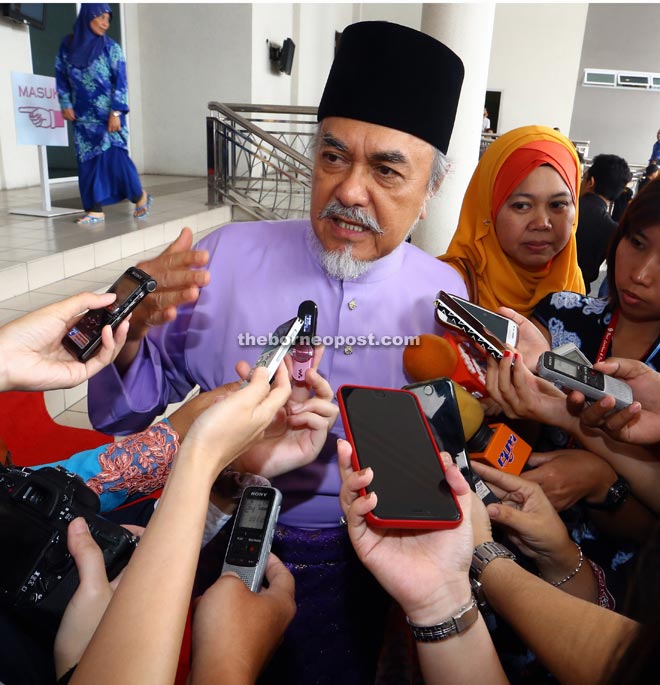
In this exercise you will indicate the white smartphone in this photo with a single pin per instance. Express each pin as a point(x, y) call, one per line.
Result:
point(505, 329)
point(252, 535)
point(591, 383)
point(450, 312)
point(572, 351)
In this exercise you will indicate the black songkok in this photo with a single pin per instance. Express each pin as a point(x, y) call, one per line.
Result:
point(394, 76)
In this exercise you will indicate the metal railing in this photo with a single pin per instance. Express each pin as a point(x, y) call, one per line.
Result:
point(259, 158)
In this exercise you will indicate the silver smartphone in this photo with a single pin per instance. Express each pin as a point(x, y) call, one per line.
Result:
point(278, 345)
point(503, 328)
point(252, 535)
point(592, 384)
point(572, 351)
point(450, 312)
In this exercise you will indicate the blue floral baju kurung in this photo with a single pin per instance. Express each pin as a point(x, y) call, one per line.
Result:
point(106, 174)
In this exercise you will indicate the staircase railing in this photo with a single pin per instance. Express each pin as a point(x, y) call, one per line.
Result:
point(259, 158)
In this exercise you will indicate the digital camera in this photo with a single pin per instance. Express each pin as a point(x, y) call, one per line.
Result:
point(36, 506)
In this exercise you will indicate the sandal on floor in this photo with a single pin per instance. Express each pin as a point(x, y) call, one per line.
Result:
point(88, 220)
point(141, 211)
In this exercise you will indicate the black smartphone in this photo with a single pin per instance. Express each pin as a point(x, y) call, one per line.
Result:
point(437, 398)
point(84, 339)
point(302, 353)
point(389, 433)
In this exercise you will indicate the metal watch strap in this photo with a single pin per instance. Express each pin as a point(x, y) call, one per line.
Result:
point(464, 618)
point(484, 553)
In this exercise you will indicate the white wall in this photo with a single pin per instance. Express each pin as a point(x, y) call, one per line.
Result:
point(315, 26)
point(190, 54)
point(315, 48)
point(271, 23)
point(618, 121)
point(535, 58)
point(407, 14)
point(131, 46)
point(19, 164)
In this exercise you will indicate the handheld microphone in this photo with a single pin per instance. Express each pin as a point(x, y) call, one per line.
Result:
point(445, 355)
point(495, 444)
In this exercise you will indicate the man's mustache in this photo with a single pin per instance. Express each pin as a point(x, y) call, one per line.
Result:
point(335, 209)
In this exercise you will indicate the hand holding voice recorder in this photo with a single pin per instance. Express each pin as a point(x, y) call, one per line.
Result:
point(592, 384)
point(252, 535)
point(389, 433)
point(84, 339)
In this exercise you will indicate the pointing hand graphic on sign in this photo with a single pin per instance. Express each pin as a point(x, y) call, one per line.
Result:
point(43, 118)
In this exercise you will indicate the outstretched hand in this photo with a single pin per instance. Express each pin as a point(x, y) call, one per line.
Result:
point(637, 423)
point(299, 431)
point(531, 341)
point(570, 475)
point(32, 356)
point(421, 569)
point(523, 395)
point(527, 514)
point(235, 422)
point(179, 272)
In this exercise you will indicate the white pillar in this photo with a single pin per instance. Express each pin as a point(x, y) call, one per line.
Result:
point(467, 29)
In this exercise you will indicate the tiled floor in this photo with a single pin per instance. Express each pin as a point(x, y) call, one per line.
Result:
point(43, 260)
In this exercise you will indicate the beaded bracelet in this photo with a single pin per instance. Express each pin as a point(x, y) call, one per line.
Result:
point(574, 572)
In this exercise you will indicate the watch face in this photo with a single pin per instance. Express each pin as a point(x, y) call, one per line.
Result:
point(618, 492)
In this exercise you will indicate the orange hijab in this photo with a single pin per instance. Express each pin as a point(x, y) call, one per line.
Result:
point(492, 278)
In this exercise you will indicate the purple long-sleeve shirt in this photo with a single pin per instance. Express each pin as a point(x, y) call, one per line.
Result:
point(260, 272)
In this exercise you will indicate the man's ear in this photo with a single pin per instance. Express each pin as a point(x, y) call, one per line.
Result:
point(422, 214)
point(588, 183)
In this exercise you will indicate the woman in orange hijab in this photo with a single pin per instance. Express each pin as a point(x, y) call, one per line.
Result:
point(515, 240)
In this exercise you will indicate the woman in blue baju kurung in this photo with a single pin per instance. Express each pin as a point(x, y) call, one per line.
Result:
point(91, 83)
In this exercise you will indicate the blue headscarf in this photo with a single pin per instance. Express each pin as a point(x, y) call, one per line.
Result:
point(85, 45)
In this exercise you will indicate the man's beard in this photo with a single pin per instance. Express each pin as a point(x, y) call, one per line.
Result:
point(340, 264)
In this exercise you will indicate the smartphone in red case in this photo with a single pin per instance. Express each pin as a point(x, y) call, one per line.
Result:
point(389, 432)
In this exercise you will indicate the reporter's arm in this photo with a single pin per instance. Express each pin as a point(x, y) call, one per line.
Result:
point(153, 597)
point(32, 356)
point(534, 527)
point(576, 640)
point(235, 631)
point(426, 572)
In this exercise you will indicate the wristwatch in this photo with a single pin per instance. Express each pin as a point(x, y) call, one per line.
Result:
point(616, 496)
point(464, 618)
point(116, 113)
point(482, 555)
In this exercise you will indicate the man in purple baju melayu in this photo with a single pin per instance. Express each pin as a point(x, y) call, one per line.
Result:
point(385, 120)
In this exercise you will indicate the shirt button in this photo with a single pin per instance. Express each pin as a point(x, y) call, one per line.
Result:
point(348, 349)
point(352, 305)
